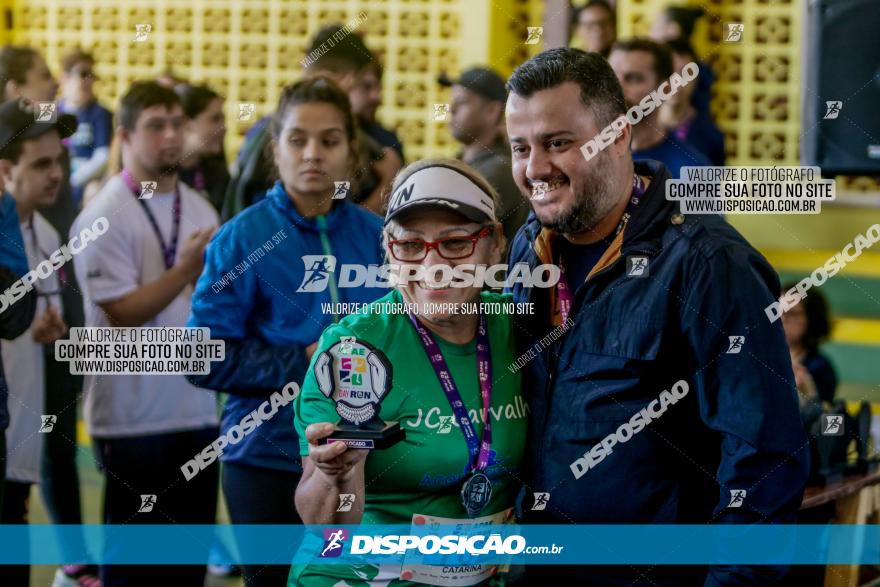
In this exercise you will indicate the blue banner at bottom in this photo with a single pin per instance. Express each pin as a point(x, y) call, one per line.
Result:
point(443, 545)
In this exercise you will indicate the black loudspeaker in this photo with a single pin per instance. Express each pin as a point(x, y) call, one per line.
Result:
point(842, 66)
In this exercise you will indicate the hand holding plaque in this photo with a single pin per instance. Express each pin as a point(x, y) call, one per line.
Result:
point(357, 377)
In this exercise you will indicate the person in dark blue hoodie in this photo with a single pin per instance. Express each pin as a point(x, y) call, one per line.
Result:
point(678, 23)
point(641, 66)
point(267, 286)
point(688, 124)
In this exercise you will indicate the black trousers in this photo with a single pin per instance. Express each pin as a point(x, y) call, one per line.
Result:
point(275, 505)
point(150, 465)
point(2, 464)
point(59, 485)
point(16, 504)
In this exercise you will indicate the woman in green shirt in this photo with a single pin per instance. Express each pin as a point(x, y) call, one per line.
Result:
point(459, 461)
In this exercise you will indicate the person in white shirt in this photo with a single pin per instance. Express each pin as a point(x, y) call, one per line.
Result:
point(140, 273)
point(31, 169)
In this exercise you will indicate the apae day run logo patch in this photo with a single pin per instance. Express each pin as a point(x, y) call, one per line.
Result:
point(356, 376)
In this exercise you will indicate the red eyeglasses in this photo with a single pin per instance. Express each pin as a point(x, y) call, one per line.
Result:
point(450, 247)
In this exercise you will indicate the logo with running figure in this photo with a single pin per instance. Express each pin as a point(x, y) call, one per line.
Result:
point(318, 269)
point(246, 111)
point(534, 35)
point(346, 344)
point(147, 503)
point(45, 112)
point(47, 423)
point(341, 189)
point(441, 112)
point(736, 344)
point(142, 32)
point(735, 32)
point(445, 426)
point(334, 542)
point(832, 109)
point(541, 500)
point(737, 497)
point(637, 266)
point(148, 188)
point(346, 501)
point(832, 424)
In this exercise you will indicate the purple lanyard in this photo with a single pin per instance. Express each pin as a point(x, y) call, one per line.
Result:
point(168, 252)
point(199, 178)
point(563, 289)
point(476, 448)
point(681, 132)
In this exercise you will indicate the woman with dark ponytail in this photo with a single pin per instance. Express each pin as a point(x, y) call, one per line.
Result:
point(269, 289)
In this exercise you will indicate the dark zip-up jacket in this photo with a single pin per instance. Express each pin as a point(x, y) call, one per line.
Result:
point(738, 426)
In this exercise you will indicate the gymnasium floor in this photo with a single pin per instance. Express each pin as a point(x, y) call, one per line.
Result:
point(90, 485)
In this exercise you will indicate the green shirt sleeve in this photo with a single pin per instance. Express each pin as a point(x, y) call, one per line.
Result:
point(311, 405)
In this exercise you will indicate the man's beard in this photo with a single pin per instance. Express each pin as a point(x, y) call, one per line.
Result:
point(592, 202)
point(460, 134)
point(169, 169)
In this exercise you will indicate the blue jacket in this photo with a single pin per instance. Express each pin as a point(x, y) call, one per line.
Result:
point(253, 304)
point(12, 254)
point(738, 427)
point(674, 154)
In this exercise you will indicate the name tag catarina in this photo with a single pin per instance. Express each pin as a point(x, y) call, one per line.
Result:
point(357, 376)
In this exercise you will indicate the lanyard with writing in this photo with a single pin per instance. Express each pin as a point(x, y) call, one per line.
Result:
point(563, 289)
point(478, 450)
point(169, 252)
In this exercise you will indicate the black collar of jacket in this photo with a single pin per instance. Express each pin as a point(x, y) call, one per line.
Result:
point(645, 229)
point(653, 214)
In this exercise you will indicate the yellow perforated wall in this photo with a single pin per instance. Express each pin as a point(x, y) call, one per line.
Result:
point(756, 96)
point(248, 50)
point(757, 93)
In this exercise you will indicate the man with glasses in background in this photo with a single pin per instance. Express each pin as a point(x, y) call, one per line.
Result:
point(595, 26)
point(90, 145)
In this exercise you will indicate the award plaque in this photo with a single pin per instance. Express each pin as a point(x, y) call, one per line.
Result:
point(357, 377)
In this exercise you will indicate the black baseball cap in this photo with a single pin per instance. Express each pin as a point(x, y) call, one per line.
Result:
point(480, 80)
point(18, 122)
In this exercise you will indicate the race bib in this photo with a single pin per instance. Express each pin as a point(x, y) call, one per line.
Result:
point(461, 575)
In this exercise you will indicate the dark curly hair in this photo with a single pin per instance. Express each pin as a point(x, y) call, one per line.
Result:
point(600, 90)
point(818, 320)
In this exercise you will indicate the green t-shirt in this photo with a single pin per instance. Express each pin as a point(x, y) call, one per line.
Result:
point(423, 474)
